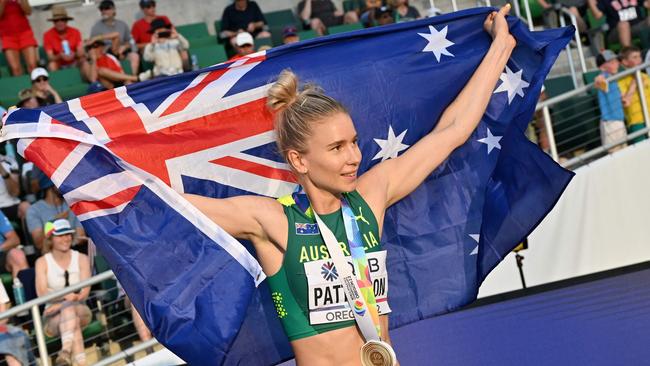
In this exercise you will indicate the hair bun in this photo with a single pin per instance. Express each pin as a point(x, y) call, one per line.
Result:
point(284, 92)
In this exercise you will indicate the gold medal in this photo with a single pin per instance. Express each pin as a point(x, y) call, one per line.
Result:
point(378, 353)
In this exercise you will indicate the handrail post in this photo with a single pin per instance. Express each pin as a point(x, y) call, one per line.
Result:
point(454, 5)
point(581, 55)
point(569, 56)
point(644, 105)
point(549, 133)
point(529, 17)
point(517, 9)
point(40, 336)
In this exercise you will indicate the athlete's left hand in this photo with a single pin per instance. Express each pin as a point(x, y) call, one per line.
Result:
point(496, 24)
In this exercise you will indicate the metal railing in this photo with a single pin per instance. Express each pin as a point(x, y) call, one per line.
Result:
point(33, 307)
point(587, 113)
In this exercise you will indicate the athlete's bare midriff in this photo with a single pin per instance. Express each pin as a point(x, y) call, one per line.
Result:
point(336, 347)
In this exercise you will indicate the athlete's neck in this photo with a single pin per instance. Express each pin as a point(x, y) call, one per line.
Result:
point(322, 201)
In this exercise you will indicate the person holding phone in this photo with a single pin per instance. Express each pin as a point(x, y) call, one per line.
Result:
point(164, 50)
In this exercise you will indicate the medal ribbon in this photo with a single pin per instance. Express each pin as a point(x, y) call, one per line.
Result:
point(364, 307)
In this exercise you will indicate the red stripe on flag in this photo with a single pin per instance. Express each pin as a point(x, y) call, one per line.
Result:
point(111, 114)
point(49, 153)
point(188, 95)
point(112, 201)
point(257, 169)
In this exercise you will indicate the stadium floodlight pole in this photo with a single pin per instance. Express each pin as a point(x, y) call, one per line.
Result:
point(574, 21)
point(549, 132)
point(640, 89)
point(40, 336)
point(569, 56)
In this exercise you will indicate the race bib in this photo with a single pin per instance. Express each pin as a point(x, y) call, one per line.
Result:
point(628, 14)
point(327, 300)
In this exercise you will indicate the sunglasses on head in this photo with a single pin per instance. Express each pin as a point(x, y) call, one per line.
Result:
point(40, 79)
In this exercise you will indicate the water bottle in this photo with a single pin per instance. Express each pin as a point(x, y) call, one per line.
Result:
point(19, 291)
point(66, 47)
point(195, 62)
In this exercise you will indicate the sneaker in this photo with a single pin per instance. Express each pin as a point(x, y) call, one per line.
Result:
point(145, 75)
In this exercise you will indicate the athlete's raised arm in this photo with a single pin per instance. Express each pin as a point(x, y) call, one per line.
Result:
point(244, 217)
point(393, 179)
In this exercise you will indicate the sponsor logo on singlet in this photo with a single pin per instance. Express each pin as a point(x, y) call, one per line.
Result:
point(327, 299)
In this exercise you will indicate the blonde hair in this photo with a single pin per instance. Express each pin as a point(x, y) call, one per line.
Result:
point(296, 110)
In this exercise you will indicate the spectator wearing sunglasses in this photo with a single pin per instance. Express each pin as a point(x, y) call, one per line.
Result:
point(63, 44)
point(58, 268)
point(41, 87)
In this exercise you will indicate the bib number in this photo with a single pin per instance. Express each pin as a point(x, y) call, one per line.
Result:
point(327, 300)
point(628, 14)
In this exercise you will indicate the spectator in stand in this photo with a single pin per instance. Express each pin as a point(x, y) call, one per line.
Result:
point(141, 27)
point(10, 204)
point(244, 44)
point(50, 208)
point(63, 44)
point(42, 89)
point(243, 16)
point(631, 57)
point(105, 69)
point(626, 19)
point(383, 16)
point(57, 269)
point(15, 345)
point(290, 35)
point(123, 46)
point(165, 49)
point(28, 100)
point(576, 7)
point(16, 35)
point(403, 12)
point(321, 14)
point(12, 258)
point(612, 127)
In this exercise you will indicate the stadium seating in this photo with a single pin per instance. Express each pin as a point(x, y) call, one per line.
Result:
point(193, 30)
point(209, 55)
point(68, 83)
point(344, 28)
point(9, 88)
point(281, 18)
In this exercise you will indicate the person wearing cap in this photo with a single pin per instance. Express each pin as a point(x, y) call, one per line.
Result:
point(244, 45)
point(140, 28)
point(383, 15)
point(290, 35)
point(165, 49)
point(116, 34)
point(58, 268)
point(63, 44)
point(50, 208)
point(318, 15)
point(612, 125)
point(243, 16)
point(16, 35)
point(26, 99)
point(42, 89)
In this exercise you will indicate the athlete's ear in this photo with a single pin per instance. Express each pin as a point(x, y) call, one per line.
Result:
point(295, 159)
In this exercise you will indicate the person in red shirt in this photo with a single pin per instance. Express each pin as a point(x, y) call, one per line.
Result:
point(140, 29)
point(63, 44)
point(17, 36)
point(106, 68)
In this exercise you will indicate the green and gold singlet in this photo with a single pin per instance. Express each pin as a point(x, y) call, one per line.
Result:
point(306, 291)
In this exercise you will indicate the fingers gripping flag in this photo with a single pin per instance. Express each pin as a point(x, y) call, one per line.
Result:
point(122, 157)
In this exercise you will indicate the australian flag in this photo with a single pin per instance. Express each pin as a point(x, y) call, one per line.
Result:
point(121, 158)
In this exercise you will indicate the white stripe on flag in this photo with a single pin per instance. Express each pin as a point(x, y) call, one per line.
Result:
point(101, 188)
point(102, 212)
point(97, 130)
point(69, 163)
point(74, 105)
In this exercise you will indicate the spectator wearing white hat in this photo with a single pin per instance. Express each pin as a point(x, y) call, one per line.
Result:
point(244, 44)
point(41, 87)
point(58, 268)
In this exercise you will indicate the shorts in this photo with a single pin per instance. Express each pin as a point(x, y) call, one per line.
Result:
point(19, 41)
point(635, 30)
point(11, 212)
point(15, 342)
point(612, 132)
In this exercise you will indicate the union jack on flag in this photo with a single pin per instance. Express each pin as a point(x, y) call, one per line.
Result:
point(121, 158)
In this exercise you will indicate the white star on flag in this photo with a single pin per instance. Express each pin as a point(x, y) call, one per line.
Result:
point(391, 146)
point(512, 83)
point(491, 141)
point(438, 42)
point(476, 238)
